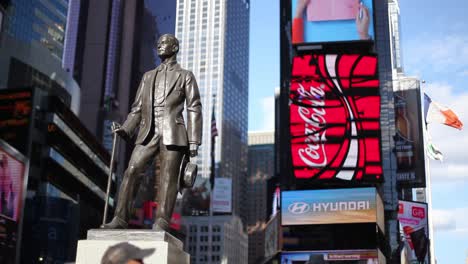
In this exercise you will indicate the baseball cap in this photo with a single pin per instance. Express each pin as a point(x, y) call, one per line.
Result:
point(123, 252)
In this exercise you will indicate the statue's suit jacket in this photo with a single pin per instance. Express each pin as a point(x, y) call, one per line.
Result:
point(181, 87)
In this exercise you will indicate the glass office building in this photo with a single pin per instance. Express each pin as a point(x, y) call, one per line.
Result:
point(214, 45)
point(41, 21)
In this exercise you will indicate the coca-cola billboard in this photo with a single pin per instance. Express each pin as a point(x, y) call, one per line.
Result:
point(335, 118)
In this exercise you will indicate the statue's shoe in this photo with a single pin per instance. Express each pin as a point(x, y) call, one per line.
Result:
point(116, 223)
point(161, 225)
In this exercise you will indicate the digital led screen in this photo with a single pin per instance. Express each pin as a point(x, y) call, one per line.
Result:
point(334, 117)
point(15, 115)
point(331, 20)
point(332, 256)
point(414, 226)
point(12, 188)
point(329, 206)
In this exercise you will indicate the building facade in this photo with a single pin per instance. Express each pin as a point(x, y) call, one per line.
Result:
point(31, 48)
point(218, 239)
point(214, 44)
point(115, 45)
point(260, 170)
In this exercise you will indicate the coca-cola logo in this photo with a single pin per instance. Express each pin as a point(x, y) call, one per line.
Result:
point(334, 117)
point(313, 154)
point(418, 212)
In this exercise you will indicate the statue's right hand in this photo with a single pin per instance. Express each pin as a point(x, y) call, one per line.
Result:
point(117, 128)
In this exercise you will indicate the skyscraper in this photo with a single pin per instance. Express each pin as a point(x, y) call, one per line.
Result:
point(261, 168)
point(214, 45)
point(115, 48)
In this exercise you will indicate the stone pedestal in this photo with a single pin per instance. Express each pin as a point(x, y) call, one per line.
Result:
point(169, 250)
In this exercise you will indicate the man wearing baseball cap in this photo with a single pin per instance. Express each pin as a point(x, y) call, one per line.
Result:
point(125, 253)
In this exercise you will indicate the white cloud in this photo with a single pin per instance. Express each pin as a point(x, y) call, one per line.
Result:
point(463, 73)
point(444, 220)
point(452, 142)
point(450, 220)
point(268, 113)
point(442, 54)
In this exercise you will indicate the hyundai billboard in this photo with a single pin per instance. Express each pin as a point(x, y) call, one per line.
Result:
point(414, 227)
point(331, 20)
point(334, 117)
point(333, 206)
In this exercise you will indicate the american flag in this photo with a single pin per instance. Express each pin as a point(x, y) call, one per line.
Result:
point(214, 130)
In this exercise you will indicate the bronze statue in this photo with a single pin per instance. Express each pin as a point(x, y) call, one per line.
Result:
point(157, 112)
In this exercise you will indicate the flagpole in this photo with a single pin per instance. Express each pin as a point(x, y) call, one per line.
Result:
point(428, 184)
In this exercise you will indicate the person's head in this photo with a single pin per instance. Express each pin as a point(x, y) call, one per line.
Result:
point(125, 253)
point(167, 46)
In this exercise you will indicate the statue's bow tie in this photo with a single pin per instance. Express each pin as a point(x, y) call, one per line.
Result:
point(164, 67)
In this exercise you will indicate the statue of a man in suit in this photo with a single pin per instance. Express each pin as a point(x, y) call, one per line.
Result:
point(157, 112)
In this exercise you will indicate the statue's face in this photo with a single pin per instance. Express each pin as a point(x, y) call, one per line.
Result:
point(167, 46)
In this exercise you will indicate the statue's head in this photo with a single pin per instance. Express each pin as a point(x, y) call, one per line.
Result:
point(167, 46)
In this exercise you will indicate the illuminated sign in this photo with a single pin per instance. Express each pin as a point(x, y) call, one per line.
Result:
point(335, 118)
point(331, 20)
point(13, 171)
point(333, 206)
point(414, 225)
point(15, 115)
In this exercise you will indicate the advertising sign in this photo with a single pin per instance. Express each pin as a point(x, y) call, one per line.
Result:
point(222, 195)
point(335, 119)
point(331, 20)
point(15, 115)
point(414, 226)
point(409, 145)
point(333, 206)
point(332, 256)
point(12, 189)
point(272, 236)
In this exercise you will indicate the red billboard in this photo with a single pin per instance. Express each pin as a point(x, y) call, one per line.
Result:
point(335, 118)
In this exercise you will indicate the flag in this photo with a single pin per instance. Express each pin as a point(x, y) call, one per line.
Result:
point(214, 134)
point(437, 113)
point(433, 152)
point(214, 130)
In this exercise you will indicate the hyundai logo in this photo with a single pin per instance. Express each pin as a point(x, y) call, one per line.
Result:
point(298, 208)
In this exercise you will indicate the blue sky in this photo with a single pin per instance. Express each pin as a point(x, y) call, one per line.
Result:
point(435, 48)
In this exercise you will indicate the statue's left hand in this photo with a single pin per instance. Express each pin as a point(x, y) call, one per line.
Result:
point(193, 150)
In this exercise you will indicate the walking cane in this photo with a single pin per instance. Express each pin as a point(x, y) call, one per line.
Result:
point(111, 169)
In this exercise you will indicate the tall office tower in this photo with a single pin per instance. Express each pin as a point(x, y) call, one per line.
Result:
point(214, 44)
point(395, 36)
point(115, 48)
point(261, 168)
point(387, 119)
point(71, 35)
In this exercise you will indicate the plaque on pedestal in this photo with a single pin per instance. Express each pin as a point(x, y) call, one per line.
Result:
point(168, 249)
